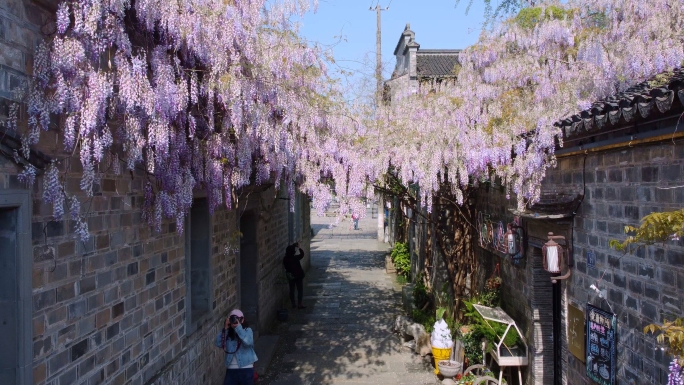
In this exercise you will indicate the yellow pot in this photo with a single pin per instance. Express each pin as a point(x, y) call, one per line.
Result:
point(439, 355)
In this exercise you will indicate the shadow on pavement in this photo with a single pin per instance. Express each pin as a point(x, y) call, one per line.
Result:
point(345, 334)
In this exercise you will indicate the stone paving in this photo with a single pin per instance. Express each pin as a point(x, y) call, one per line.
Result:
point(344, 335)
point(325, 227)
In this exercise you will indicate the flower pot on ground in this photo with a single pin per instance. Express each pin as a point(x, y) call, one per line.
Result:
point(449, 368)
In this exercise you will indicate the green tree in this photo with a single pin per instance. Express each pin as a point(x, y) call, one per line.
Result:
point(499, 9)
point(658, 227)
point(671, 335)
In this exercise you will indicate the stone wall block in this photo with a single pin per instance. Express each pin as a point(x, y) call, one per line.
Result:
point(671, 172)
point(663, 196)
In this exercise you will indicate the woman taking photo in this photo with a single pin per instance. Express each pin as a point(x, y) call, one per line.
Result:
point(237, 341)
point(294, 273)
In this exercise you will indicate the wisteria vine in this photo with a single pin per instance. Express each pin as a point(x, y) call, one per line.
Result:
point(217, 95)
point(200, 94)
point(496, 119)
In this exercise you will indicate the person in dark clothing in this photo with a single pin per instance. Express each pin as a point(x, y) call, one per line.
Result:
point(295, 273)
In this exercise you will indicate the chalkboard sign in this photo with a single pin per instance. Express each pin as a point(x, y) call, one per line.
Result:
point(601, 330)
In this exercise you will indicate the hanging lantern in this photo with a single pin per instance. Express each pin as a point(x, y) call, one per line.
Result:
point(513, 242)
point(553, 257)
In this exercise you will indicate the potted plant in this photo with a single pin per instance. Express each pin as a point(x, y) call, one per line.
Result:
point(502, 339)
point(465, 379)
point(449, 368)
point(493, 283)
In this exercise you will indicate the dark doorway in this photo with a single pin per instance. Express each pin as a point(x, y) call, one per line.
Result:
point(16, 291)
point(198, 264)
point(9, 290)
point(249, 258)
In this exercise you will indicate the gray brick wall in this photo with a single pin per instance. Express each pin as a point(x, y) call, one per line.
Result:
point(644, 287)
point(622, 186)
point(111, 310)
point(273, 234)
point(525, 289)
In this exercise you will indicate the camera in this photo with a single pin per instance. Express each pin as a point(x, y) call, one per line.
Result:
point(233, 319)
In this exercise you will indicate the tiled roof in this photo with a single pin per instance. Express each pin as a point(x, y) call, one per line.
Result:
point(436, 63)
point(552, 205)
point(641, 100)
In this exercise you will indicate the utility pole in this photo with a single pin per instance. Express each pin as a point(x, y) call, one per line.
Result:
point(378, 55)
point(378, 102)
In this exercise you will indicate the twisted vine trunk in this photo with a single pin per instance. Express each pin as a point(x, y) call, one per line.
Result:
point(454, 232)
point(455, 238)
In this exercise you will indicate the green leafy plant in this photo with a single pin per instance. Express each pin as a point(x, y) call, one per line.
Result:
point(439, 314)
point(401, 258)
point(530, 17)
point(490, 330)
point(454, 326)
point(489, 297)
point(671, 334)
point(472, 348)
point(468, 379)
point(421, 296)
point(425, 318)
point(655, 228)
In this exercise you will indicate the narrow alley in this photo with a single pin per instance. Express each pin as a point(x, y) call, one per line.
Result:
point(345, 334)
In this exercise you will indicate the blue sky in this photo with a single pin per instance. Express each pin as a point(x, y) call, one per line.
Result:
point(349, 27)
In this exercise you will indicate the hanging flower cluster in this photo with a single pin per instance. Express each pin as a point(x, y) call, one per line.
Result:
point(497, 118)
point(676, 375)
point(199, 94)
point(218, 95)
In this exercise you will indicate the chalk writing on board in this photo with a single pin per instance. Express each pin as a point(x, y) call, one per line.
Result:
point(601, 328)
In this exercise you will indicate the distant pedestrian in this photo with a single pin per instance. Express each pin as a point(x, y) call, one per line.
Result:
point(295, 273)
point(355, 218)
point(237, 341)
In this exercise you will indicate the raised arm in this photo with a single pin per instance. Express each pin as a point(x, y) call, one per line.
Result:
point(245, 335)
